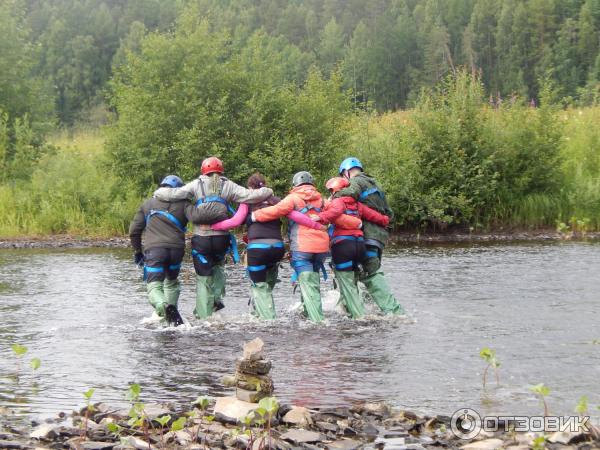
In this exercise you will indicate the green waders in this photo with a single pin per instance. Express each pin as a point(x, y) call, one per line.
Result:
point(172, 288)
point(378, 288)
point(218, 276)
point(205, 297)
point(349, 294)
point(262, 295)
point(309, 283)
point(156, 296)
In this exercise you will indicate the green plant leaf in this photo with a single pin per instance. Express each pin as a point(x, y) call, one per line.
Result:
point(18, 349)
point(163, 420)
point(35, 363)
point(540, 389)
point(269, 404)
point(260, 411)
point(133, 392)
point(114, 428)
point(88, 394)
point(179, 424)
point(202, 402)
point(582, 406)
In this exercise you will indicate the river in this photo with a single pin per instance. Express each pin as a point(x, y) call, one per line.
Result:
point(538, 305)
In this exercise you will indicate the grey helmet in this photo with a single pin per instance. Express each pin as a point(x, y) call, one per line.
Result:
point(303, 177)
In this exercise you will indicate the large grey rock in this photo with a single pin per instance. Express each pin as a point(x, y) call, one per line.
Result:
point(232, 408)
point(302, 436)
point(253, 350)
point(298, 415)
point(344, 444)
point(487, 444)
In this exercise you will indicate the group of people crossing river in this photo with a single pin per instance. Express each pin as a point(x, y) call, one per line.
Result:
point(350, 226)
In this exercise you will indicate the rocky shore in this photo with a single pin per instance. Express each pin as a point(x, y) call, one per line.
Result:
point(398, 238)
point(253, 419)
point(361, 426)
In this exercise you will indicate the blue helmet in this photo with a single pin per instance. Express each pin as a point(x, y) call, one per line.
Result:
point(350, 163)
point(172, 181)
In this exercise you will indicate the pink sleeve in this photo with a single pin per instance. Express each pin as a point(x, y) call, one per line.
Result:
point(238, 218)
point(302, 219)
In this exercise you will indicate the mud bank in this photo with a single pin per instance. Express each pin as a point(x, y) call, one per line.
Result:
point(398, 238)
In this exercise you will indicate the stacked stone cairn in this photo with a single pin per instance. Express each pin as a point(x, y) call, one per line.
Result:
point(252, 380)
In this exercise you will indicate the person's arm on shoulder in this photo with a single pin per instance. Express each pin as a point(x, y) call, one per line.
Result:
point(168, 194)
point(348, 222)
point(370, 215)
point(238, 194)
point(332, 211)
point(303, 219)
point(238, 218)
point(283, 208)
point(354, 190)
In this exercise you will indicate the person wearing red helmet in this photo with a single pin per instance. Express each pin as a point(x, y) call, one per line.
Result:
point(348, 249)
point(211, 194)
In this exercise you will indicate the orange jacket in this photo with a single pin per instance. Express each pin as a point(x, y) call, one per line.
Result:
point(302, 239)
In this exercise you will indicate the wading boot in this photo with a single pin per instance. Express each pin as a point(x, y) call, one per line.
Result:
point(380, 291)
point(218, 282)
point(349, 294)
point(172, 288)
point(205, 301)
point(156, 297)
point(262, 298)
point(311, 295)
point(172, 315)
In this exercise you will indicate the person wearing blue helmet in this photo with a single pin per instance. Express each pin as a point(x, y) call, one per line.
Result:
point(163, 226)
point(365, 189)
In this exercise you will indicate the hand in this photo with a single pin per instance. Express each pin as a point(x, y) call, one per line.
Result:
point(314, 217)
point(386, 221)
point(324, 228)
point(138, 258)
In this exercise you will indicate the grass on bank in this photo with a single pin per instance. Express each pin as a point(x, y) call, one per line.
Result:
point(73, 191)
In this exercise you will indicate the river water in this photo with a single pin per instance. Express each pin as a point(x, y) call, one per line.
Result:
point(538, 305)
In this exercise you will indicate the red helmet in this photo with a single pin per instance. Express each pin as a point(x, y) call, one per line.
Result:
point(212, 165)
point(337, 184)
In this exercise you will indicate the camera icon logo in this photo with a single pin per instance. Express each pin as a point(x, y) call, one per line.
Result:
point(465, 423)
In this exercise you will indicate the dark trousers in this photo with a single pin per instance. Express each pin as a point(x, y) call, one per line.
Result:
point(162, 262)
point(348, 254)
point(207, 252)
point(260, 260)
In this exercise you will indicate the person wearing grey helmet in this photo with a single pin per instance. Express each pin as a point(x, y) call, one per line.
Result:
point(309, 246)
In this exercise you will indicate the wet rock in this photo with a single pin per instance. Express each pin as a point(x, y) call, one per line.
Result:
point(344, 444)
point(249, 396)
point(327, 427)
point(487, 444)
point(253, 366)
point(370, 430)
point(379, 409)
point(94, 445)
point(12, 445)
point(253, 350)
point(139, 444)
point(228, 381)
point(392, 443)
point(302, 436)
point(298, 415)
point(45, 431)
point(233, 409)
point(258, 383)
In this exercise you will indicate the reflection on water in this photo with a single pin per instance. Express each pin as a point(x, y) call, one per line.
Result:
point(81, 311)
